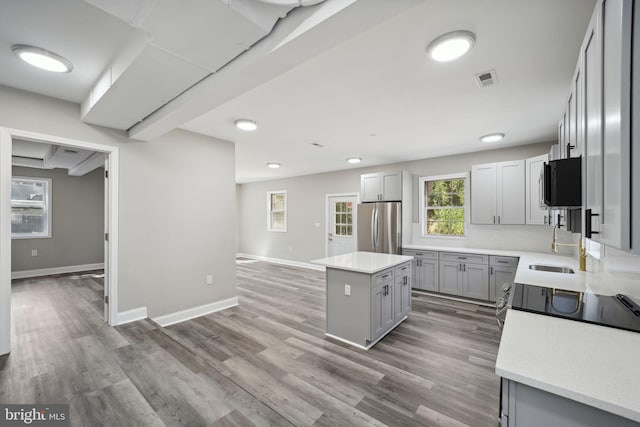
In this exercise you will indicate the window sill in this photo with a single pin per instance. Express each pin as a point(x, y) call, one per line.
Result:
point(442, 236)
point(30, 237)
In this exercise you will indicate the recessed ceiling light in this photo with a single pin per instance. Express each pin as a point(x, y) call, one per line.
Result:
point(244, 124)
point(273, 165)
point(492, 137)
point(354, 160)
point(451, 46)
point(42, 58)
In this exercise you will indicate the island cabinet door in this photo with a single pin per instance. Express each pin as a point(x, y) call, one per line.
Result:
point(402, 292)
point(382, 298)
point(450, 279)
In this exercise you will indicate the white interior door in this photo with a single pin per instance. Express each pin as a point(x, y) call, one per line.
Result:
point(342, 217)
point(106, 239)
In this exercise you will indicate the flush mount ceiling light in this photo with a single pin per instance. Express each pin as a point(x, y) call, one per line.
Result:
point(42, 58)
point(492, 137)
point(273, 165)
point(451, 46)
point(354, 160)
point(246, 125)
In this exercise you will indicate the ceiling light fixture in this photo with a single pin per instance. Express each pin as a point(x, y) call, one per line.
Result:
point(246, 125)
point(451, 45)
point(273, 165)
point(42, 58)
point(492, 137)
point(354, 160)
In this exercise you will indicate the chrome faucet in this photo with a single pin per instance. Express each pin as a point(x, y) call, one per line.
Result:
point(583, 250)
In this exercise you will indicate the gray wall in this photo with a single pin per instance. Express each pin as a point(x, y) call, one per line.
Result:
point(175, 192)
point(77, 215)
point(307, 198)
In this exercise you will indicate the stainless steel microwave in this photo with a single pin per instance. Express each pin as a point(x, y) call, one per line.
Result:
point(562, 183)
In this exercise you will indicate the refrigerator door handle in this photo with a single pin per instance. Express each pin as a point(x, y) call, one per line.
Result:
point(377, 226)
point(373, 228)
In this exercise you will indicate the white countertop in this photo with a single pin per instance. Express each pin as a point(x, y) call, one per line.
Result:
point(363, 262)
point(591, 364)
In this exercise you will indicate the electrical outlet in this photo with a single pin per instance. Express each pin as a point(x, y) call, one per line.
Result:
point(290, 248)
point(317, 225)
point(34, 252)
point(347, 290)
point(209, 279)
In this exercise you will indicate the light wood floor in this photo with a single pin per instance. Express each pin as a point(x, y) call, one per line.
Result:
point(263, 363)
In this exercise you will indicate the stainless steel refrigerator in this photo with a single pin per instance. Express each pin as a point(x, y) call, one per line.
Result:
point(380, 227)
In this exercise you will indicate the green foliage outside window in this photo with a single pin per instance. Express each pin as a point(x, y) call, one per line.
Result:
point(444, 207)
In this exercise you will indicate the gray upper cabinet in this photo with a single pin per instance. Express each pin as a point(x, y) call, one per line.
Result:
point(535, 212)
point(498, 193)
point(600, 108)
point(381, 186)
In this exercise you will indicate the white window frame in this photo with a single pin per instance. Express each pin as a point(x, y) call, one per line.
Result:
point(285, 210)
point(47, 209)
point(423, 207)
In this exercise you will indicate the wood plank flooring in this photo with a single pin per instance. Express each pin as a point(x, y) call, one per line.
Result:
point(263, 363)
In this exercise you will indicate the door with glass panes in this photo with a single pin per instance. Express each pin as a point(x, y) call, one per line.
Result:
point(341, 235)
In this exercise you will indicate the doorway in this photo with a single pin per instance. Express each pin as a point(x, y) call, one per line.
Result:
point(341, 223)
point(111, 153)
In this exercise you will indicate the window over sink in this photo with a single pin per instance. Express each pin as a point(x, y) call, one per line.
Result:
point(443, 205)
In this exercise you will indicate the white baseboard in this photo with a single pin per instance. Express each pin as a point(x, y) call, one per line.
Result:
point(283, 261)
point(55, 270)
point(131, 315)
point(190, 313)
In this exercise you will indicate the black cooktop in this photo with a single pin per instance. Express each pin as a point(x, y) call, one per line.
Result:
point(617, 311)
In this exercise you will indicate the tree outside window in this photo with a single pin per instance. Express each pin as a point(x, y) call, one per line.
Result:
point(443, 206)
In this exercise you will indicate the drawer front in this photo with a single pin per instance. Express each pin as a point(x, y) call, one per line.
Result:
point(382, 277)
point(464, 258)
point(402, 269)
point(504, 261)
point(420, 253)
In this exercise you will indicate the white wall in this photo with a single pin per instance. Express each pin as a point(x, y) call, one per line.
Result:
point(77, 222)
point(306, 206)
point(177, 198)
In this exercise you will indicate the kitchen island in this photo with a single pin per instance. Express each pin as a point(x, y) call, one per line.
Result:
point(368, 294)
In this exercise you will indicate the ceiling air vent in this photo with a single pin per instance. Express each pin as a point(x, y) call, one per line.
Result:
point(487, 78)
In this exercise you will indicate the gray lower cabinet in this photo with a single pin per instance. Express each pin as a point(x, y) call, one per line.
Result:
point(402, 292)
point(464, 275)
point(450, 277)
point(501, 270)
point(381, 309)
point(363, 307)
point(525, 406)
point(425, 269)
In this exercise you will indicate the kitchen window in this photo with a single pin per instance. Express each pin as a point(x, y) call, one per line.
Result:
point(277, 211)
point(30, 208)
point(443, 203)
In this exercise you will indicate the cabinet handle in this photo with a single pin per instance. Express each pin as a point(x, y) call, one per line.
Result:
point(498, 219)
point(587, 226)
point(491, 271)
point(503, 262)
point(459, 267)
point(462, 257)
point(419, 254)
point(385, 276)
point(464, 267)
point(569, 148)
point(494, 219)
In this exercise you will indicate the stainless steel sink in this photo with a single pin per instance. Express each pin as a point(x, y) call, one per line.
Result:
point(551, 268)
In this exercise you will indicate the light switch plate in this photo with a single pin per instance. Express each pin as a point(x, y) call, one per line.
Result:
point(209, 279)
point(347, 289)
point(34, 252)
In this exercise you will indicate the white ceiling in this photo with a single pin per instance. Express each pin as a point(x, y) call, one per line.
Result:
point(382, 83)
point(74, 29)
point(367, 78)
